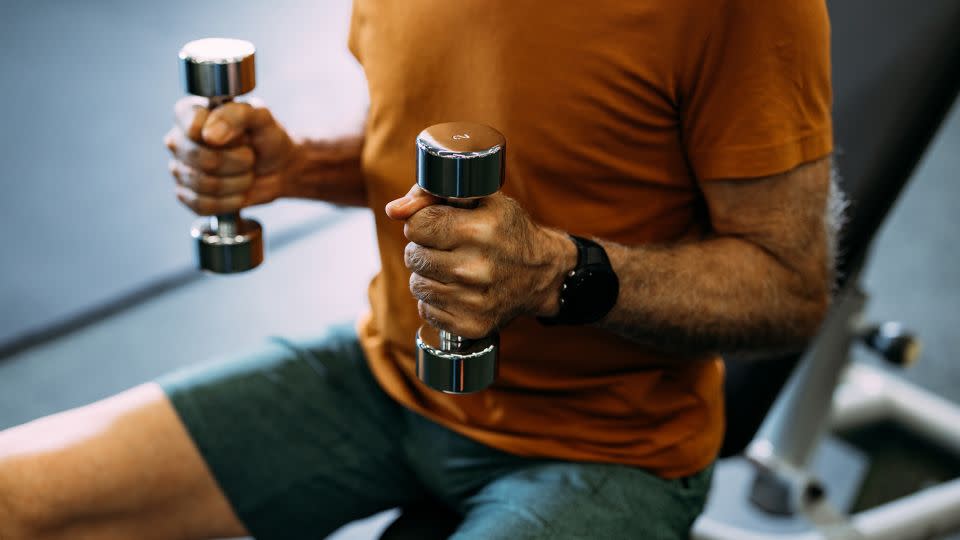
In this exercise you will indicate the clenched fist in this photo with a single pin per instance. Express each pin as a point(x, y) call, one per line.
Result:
point(475, 270)
point(229, 158)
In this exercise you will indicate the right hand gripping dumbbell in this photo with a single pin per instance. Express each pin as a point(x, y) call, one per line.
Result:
point(459, 162)
point(221, 69)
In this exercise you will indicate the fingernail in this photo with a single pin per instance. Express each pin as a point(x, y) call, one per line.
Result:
point(217, 132)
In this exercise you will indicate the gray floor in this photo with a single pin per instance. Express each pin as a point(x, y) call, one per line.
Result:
point(109, 151)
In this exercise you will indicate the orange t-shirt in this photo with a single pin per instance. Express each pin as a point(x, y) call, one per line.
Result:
point(614, 112)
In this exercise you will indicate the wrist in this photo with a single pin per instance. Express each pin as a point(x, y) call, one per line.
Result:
point(292, 185)
point(327, 170)
point(560, 258)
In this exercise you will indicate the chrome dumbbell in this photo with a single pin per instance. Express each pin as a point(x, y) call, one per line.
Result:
point(221, 69)
point(460, 162)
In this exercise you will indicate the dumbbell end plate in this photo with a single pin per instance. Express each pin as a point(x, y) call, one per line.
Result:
point(218, 67)
point(467, 370)
point(228, 254)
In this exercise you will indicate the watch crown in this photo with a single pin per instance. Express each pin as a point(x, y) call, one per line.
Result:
point(572, 273)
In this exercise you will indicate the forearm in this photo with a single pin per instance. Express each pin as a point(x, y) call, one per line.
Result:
point(329, 170)
point(722, 294)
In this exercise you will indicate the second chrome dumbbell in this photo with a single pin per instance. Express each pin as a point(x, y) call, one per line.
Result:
point(460, 162)
point(221, 69)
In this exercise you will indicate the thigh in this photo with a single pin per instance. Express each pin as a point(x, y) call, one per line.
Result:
point(583, 501)
point(299, 436)
point(123, 467)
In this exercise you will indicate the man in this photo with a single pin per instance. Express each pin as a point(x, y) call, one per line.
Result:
point(688, 140)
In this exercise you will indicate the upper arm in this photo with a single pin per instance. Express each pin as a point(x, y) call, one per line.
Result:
point(757, 130)
point(786, 215)
point(755, 99)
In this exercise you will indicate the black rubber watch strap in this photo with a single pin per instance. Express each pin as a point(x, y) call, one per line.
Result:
point(592, 263)
point(587, 256)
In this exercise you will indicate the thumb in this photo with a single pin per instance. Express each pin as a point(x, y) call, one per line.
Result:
point(229, 122)
point(415, 200)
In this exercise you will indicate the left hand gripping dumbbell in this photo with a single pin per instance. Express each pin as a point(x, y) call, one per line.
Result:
point(461, 163)
point(221, 69)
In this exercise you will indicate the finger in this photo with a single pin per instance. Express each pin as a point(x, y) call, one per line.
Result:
point(462, 325)
point(206, 205)
point(415, 200)
point(207, 184)
point(460, 266)
point(431, 291)
point(264, 189)
point(451, 297)
point(229, 122)
point(190, 113)
point(223, 162)
point(436, 226)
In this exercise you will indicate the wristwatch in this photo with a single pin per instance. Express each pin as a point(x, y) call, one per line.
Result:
point(590, 290)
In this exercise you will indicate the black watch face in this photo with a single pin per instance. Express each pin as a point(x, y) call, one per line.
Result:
point(591, 293)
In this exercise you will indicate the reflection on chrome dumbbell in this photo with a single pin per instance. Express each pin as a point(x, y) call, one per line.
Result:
point(220, 70)
point(460, 162)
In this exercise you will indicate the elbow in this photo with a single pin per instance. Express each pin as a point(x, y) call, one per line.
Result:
point(807, 315)
point(813, 315)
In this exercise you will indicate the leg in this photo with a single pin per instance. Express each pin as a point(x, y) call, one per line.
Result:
point(298, 441)
point(121, 468)
point(299, 436)
point(579, 501)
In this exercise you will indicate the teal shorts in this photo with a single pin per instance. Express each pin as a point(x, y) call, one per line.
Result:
point(302, 440)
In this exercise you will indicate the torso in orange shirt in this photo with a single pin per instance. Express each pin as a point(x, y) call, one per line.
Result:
point(591, 98)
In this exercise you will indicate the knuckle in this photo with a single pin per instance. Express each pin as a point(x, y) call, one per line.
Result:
point(202, 158)
point(427, 315)
point(484, 303)
point(483, 271)
point(236, 184)
point(476, 302)
point(415, 283)
point(205, 206)
point(262, 115)
point(410, 255)
point(424, 292)
point(482, 229)
point(461, 272)
point(245, 156)
point(206, 183)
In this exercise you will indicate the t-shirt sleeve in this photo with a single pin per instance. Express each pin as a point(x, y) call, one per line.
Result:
point(756, 99)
